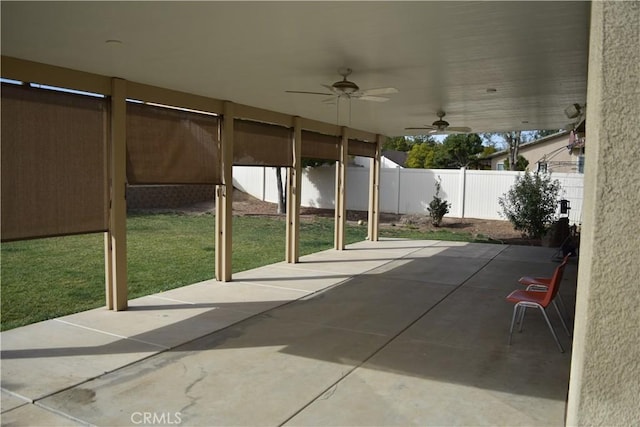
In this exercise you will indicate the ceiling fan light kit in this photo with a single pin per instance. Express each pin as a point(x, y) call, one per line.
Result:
point(344, 86)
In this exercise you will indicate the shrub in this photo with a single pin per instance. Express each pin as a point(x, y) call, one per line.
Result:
point(530, 204)
point(438, 207)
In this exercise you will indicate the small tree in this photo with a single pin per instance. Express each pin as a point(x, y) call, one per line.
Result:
point(530, 204)
point(438, 207)
point(521, 164)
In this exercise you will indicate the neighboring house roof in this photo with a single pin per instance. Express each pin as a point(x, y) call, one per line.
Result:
point(530, 144)
point(398, 157)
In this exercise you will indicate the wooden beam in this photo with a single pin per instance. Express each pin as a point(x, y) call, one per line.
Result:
point(341, 190)
point(224, 199)
point(108, 271)
point(293, 196)
point(118, 209)
point(35, 72)
point(320, 127)
point(248, 112)
point(158, 95)
point(374, 193)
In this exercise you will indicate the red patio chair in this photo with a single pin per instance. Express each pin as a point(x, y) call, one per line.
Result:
point(524, 299)
point(542, 284)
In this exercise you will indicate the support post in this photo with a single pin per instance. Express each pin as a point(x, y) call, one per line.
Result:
point(341, 179)
point(374, 193)
point(108, 270)
point(116, 281)
point(224, 199)
point(293, 195)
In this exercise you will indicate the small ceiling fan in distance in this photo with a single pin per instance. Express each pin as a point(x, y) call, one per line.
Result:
point(441, 126)
point(348, 89)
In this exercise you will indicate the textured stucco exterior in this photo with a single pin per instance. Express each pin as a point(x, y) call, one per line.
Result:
point(605, 371)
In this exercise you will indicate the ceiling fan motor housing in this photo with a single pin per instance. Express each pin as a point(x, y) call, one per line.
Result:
point(345, 86)
point(440, 124)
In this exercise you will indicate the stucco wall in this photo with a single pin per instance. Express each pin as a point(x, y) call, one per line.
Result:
point(605, 369)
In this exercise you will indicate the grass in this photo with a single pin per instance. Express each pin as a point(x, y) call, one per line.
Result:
point(48, 278)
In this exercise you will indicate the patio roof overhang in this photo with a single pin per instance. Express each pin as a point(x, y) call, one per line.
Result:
point(439, 55)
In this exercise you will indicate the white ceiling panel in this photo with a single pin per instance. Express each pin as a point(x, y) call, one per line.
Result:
point(439, 55)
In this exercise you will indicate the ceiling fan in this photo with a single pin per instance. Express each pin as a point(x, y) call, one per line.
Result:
point(347, 89)
point(441, 126)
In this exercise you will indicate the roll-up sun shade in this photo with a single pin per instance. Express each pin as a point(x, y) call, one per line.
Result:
point(261, 144)
point(319, 146)
point(54, 163)
point(171, 146)
point(361, 148)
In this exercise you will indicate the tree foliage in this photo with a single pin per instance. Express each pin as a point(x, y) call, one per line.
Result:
point(530, 204)
point(521, 164)
point(488, 150)
point(398, 143)
point(421, 155)
point(458, 150)
point(537, 134)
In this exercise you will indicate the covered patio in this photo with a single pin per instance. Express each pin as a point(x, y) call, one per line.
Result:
point(395, 332)
point(281, 350)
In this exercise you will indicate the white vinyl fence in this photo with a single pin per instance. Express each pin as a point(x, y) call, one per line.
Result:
point(472, 193)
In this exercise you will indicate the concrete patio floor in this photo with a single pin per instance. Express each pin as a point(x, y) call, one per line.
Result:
point(395, 332)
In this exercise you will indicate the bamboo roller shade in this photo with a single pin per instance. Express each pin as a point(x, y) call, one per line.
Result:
point(261, 144)
point(168, 146)
point(54, 165)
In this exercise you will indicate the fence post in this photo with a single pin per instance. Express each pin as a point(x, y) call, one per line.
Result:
point(462, 189)
point(264, 183)
point(398, 191)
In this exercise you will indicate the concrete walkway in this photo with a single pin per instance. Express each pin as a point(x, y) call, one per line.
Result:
point(395, 332)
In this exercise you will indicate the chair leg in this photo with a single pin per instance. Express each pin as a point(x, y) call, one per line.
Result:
point(561, 318)
point(513, 321)
point(523, 311)
point(564, 308)
point(553, 332)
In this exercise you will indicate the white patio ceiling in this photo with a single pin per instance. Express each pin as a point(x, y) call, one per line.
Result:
point(439, 55)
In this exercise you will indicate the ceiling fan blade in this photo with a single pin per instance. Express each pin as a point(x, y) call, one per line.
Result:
point(461, 129)
point(371, 98)
point(332, 89)
point(449, 131)
point(379, 91)
point(308, 93)
point(422, 128)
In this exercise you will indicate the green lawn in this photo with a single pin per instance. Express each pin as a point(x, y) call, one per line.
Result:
point(47, 278)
